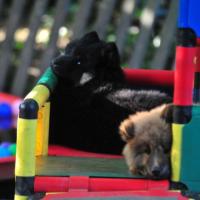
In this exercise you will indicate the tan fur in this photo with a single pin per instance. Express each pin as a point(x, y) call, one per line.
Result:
point(148, 138)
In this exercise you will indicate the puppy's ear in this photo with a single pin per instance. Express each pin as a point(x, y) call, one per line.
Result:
point(90, 38)
point(167, 113)
point(126, 130)
point(112, 55)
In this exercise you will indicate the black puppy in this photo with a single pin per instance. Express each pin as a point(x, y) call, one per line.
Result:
point(92, 97)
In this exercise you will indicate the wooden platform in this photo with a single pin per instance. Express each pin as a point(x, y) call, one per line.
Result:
point(69, 166)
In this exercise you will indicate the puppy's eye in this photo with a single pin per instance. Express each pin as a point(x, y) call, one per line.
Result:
point(147, 150)
point(143, 149)
point(78, 60)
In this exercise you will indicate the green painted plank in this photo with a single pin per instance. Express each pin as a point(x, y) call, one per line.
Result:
point(190, 162)
point(49, 79)
point(69, 166)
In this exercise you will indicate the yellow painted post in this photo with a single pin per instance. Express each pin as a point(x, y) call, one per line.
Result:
point(46, 128)
point(25, 165)
point(43, 130)
point(25, 156)
point(176, 151)
point(26, 140)
point(20, 197)
point(40, 94)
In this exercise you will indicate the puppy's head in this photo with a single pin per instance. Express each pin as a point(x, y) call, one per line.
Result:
point(87, 58)
point(148, 143)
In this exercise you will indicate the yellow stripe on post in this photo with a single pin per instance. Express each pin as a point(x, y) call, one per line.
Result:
point(46, 122)
point(176, 151)
point(25, 155)
point(43, 130)
point(20, 197)
point(40, 94)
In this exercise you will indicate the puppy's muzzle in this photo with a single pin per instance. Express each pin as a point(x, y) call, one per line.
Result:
point(159, 172)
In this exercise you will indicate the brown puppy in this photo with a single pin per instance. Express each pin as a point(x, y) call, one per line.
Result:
point(148, 137)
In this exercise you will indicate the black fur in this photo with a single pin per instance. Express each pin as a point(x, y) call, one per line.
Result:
point(92, 97)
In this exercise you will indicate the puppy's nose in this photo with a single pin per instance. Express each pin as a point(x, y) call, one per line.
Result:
point(156, 171)
point(160, 172)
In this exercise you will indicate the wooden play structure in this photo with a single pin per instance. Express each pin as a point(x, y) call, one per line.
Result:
point(82, 175)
